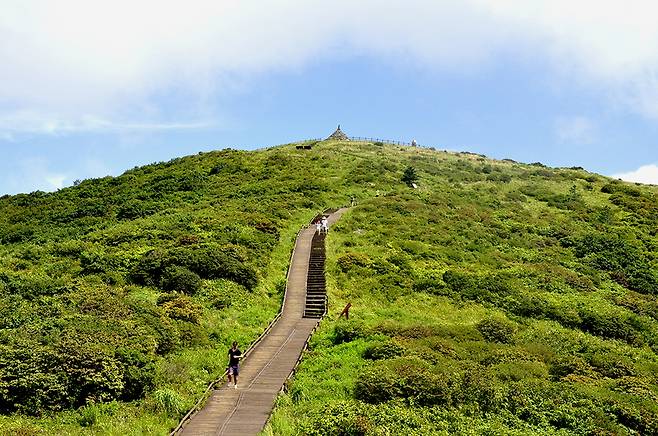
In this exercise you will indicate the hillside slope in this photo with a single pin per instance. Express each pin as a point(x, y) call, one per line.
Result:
point(119, 296)
point(496, 297)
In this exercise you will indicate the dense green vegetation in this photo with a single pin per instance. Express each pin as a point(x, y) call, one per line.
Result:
point(119, 296)
point(497, 298)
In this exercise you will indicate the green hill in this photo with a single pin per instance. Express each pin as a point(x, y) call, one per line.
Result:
point(496, 298)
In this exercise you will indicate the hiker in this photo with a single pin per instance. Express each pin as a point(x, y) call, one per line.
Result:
point(234, 356)
point(413, 143)
point(318, 226)
point(325, 225)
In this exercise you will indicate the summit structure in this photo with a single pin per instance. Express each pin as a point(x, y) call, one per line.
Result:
point(339, 135)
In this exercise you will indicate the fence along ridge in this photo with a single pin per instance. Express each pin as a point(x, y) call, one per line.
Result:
point(360, 138)
point(385, 141)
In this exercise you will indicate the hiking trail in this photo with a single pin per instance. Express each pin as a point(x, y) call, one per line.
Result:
point(268, 365)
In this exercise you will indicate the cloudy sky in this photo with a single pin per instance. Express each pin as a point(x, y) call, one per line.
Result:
point(90, 88)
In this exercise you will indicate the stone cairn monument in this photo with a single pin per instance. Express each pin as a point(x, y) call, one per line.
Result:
point(338, 135)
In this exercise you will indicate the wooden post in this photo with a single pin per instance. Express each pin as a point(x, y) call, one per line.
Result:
point(346, 311)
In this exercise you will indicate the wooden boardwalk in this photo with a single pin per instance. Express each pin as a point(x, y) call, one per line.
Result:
point(244, 411)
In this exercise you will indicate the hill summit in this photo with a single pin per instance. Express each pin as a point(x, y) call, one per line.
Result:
point(496, 297)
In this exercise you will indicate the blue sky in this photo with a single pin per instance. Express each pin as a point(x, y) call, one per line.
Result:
point(89, 88)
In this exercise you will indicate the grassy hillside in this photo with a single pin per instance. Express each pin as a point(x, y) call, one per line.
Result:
point(119, 296)
point(497, 297)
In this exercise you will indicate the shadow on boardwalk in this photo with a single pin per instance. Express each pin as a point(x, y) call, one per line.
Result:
point(244, 411)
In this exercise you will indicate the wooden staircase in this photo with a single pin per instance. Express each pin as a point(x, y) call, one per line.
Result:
point(316, 289)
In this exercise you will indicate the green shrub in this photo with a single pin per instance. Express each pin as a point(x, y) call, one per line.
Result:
point(378, 385)
point(168, 401)
point(32, 285)
point(410, 379)
point(69, 248)
point(625, 262)
point(181, 307)
point(610, 325)
point(133, 209)
point(350, 260)
point(480, 388)
point(563, 366)
point(89, 415)
point(612, 365)
point(206, 262)
point(536, 307)
point(95, 261)
point(496, 330)
point(85, 372)
point(384, 350)
point(150, 267)
point(639, 419)
point(478, 288)
point(341, 418)
point(138, 373)
point(216, 263)
point(413, 331)
point(409, 176)
point(347, 331)
point(180, 279)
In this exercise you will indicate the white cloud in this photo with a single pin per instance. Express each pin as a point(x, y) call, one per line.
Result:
point(34, 122)
point(71, 60)
point(34, 174)
point(578, 130)
point(645, 174)
point(55, 181)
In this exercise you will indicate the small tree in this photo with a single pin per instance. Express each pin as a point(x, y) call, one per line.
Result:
point(409, 177)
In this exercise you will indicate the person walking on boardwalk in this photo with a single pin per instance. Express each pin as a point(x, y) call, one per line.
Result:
point(325, 225)
point(318, 226)
point(234, 356)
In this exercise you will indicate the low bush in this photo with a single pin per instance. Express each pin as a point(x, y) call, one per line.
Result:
point(414, 331)
point(383, 350)
point(625, 262)
point(168, 401)
point(490, 288)
point(180, 279)
point(563, 366)
point(611, 325)
point(340, 418)
point(347, 331)
point(410, 379)
point(206, 262)
point(481, 389)
point(496, 330)
point(181, 307)
point(85, 371)
point(133, 209)
point(138, 373)
point(350, 260)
